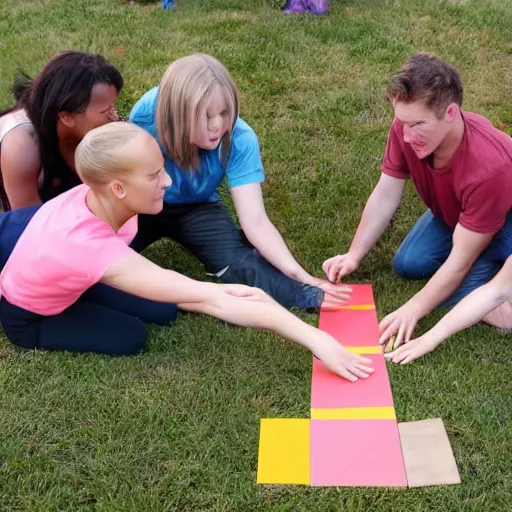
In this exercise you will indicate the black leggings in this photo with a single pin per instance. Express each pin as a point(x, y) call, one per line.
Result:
point(104, 320)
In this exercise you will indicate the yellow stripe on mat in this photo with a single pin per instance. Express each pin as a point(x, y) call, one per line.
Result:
point(374, 349)
point(354, 413)
point(334, 306)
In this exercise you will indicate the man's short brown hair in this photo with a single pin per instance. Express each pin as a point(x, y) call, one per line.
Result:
point(425, 76)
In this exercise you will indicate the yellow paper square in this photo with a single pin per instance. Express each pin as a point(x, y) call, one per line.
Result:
point(283, 456)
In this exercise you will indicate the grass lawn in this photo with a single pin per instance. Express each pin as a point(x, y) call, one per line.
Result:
point(177, 428)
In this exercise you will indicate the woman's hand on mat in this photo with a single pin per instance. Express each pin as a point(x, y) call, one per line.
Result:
point(335, 292)
point(401, 322)
point(339, 360)
point(339, 266)
point(412, 350)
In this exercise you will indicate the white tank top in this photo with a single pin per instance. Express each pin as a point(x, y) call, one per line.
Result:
point(12, 120)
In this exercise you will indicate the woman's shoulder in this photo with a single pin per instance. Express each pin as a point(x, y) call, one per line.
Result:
point(16, 121)
point(242, 128)
point(69, 216)
point(243, 136)
point(16, 141)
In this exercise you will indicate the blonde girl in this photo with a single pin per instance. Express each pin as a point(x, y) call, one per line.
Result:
point(194, 116)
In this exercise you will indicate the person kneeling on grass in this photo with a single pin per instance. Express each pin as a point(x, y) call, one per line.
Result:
point(80, 238)
point(470, 310)
point(461, 167)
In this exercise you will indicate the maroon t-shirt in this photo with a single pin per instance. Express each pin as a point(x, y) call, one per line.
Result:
point(475, 189)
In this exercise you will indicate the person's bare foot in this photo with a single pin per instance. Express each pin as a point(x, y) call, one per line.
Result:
point(501, 317)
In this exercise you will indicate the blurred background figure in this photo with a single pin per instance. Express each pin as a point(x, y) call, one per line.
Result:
point(301, 6)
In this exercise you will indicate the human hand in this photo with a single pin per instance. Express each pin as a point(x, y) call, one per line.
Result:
point(401, 322)
point(339, 360)
point(339, 266)
point(334, 292)
point(412, 350)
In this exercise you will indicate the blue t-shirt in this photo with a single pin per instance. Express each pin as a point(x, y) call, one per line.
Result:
point(244, 165)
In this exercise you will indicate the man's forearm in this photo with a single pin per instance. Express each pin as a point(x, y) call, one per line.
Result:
point(377, 214)
point(440, 286)
point(467, 247)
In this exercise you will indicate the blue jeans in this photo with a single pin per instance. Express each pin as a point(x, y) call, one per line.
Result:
point(207, 230)
point(427, 246)
point(12, 224)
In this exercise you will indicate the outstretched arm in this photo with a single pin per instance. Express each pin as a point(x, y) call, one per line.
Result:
point(259, 230)
point(467, 246)
point(240, 305)
point(466, 313)
point(378, 212)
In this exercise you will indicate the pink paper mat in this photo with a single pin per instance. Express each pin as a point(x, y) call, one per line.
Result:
point(352, 328)
point(356, 453)
point(361, 294)
point(329, 391)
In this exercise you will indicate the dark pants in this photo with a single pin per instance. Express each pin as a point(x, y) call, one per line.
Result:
point(209, 233)
point(429, 243)
point(103, 320)
point(12, 224)
point(83, 327)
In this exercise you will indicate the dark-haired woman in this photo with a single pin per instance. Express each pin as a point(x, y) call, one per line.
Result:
point(74, 93)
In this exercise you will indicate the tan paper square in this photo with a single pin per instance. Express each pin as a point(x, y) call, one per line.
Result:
point(427, 453)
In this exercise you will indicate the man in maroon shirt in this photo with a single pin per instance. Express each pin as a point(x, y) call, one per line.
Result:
point(461, 167)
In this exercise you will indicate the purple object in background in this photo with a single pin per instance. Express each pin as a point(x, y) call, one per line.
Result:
point(301, 6)
point(317, 6)
point(293, 6)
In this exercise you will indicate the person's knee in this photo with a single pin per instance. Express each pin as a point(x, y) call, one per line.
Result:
point(253, 270)
point(246, 269)
point(412, 265)
point(500, 317)
point(162, 314)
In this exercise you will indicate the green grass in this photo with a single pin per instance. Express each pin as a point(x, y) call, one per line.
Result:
point(177, 428)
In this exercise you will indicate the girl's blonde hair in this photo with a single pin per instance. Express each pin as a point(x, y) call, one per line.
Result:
point(99, 157)
point(184, 90)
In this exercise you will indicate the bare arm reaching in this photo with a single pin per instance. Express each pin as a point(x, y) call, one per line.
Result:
point(466, 313)
point(379, 210)
point(262, 233)
point(467, 246)
point(237, 304)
